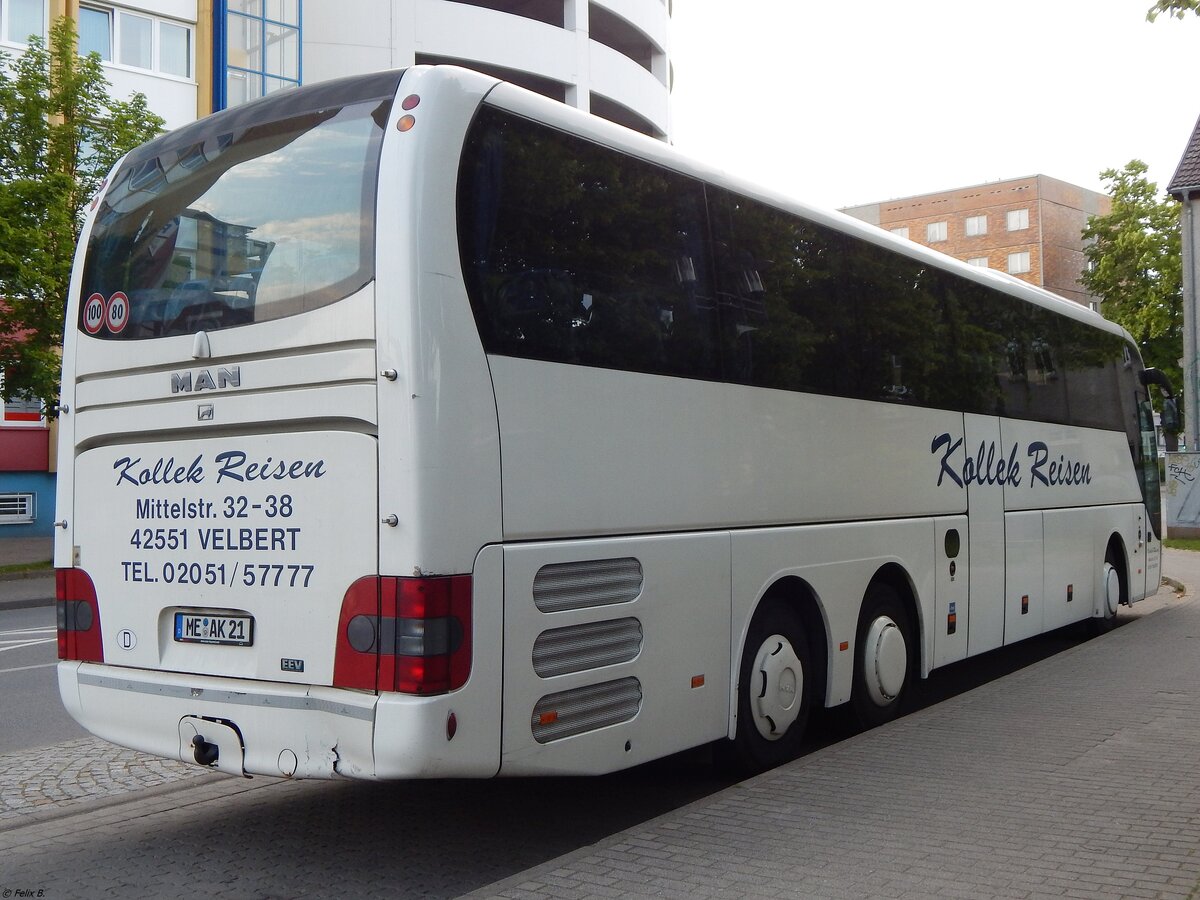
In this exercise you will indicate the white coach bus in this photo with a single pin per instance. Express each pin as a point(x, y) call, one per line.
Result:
point(414, 425)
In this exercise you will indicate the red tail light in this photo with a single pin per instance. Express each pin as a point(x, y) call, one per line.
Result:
point(79, 634)
point(411, 635)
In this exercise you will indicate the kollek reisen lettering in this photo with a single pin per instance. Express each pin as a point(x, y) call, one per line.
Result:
point(231, 465)
point(990, 466)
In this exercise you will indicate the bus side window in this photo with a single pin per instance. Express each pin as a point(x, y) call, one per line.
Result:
point(748, 303)
point(603, 265)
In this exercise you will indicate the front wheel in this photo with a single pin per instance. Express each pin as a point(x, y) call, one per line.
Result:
point(775, 684)
point(883, 657)
point(1111, 594)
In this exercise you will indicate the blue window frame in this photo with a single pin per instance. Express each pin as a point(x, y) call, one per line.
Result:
point(258, 46)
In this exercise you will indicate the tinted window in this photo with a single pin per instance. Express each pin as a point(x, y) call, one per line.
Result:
point(576, 254)
point(809, 308)
point(580, 254)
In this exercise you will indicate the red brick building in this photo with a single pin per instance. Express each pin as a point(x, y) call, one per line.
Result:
point(1030, 227)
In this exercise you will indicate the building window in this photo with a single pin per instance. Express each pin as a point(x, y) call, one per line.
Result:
point(1018, 263)
point(1094, 305)
point(136, 40)
point(935, 231)
point(262, 50)
point(902, 231)
point(174, 49)
point(17, 509)
point(976, 225)
point(1018, 219)
point(23, 18)
point(980, 262)
point(95, 32)
point(20, 410)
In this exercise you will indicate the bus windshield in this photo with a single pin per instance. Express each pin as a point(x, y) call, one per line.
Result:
point(223, 224)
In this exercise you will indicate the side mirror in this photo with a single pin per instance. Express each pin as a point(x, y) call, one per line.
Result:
point(1170, 416)
point(1156, 377)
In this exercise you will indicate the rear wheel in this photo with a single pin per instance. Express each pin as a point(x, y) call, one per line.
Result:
point(774, 691)
point(884, 654)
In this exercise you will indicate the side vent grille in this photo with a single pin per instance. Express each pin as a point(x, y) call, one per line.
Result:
point(587, 584)
point(589, 646)
point(567, 713)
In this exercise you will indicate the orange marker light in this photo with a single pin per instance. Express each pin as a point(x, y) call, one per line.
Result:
point(548, 718)
point(697, 681)
point(844, 645)
point(405, 123)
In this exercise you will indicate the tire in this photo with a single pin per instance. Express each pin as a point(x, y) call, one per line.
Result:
point(774, 696)
point(1112, 587)
point(884, 657)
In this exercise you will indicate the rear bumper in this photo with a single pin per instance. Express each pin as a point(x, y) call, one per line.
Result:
point(268, 728)
point(328, 731)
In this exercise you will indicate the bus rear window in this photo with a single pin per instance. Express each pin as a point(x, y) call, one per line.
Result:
point(234, 220)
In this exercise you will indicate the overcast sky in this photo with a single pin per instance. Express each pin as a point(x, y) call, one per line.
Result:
point(840, 102)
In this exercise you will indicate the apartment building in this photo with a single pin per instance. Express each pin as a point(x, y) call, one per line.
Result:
point(1029, 227)
point(191, 57)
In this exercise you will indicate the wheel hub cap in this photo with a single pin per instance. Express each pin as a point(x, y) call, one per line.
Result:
point(1112, 588)
point(885, 660)
point(778, 687)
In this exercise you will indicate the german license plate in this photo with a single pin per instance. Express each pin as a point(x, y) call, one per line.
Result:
point(204, 628)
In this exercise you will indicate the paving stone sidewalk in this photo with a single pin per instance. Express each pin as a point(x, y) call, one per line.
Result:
point(1076, 777)
point(77, 772)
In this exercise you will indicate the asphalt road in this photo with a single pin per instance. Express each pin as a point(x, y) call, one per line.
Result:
point(31, 714)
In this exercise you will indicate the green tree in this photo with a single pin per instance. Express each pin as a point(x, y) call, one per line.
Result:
point(1135, 265)
point(1177, 8)
point(60, 133)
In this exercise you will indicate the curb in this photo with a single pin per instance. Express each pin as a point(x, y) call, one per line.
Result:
point(29, 590)
point(26, 573)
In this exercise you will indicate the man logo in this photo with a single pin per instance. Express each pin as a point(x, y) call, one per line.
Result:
point(204, 412)
point(183, 383)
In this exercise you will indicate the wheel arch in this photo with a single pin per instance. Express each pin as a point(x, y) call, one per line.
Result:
point(798, 594)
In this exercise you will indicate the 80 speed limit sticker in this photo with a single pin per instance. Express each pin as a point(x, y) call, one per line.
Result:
point(116, 312)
